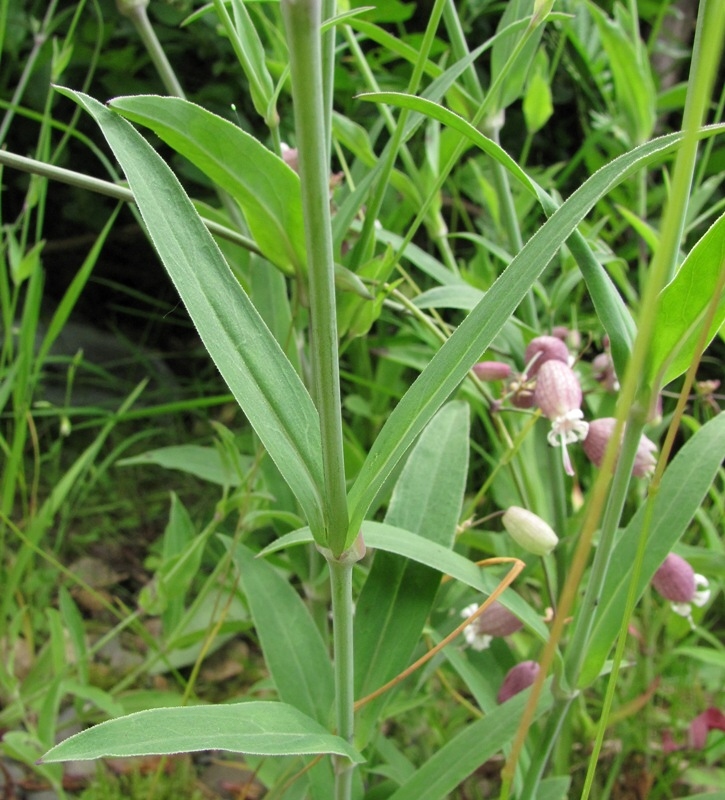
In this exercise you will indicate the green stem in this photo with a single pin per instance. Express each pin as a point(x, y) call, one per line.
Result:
point(40, 39)
point(109, 189)
point(511, 224)
point(577, 649)
point(342, 630)
point(302, 22)
point(136, 12)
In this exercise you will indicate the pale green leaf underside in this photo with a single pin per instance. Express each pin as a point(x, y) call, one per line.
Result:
point(256, 370)
point(259, 728)
point(267, 190)
point(206, 463)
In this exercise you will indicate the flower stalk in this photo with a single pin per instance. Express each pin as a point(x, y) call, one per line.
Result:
point(302, 19)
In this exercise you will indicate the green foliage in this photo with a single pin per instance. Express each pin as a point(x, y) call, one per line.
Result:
point(445, 206)
point(260, 728)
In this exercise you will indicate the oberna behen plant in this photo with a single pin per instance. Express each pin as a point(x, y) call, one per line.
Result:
point(300, 425)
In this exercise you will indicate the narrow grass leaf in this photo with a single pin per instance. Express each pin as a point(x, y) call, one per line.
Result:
point(684, 484)
point(267, 190)
point(684, 303)
point(451, 363)
point(294, 652)
point(262, 380)
point(259, 728)
point(464, 753)
point(433, 110)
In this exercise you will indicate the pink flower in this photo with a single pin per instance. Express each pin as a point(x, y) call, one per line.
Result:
point(491, 370)
point(595, 444)
point(543, 349)
point(496, 620)
point(517, 679)
point(521, 390)
point(712, 719)
point(603, 369)
point(559, 395)
point(677, 582)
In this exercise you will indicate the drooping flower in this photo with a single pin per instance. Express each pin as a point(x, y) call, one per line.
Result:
point(492, 370)
point(678, 582)
point(712, 719)
point(559, 395)
point(603, 371)
point(530, 531)
point(595, 444)
point(517, 679)
point(543, 349)
point(521, 391)
point(496, 620)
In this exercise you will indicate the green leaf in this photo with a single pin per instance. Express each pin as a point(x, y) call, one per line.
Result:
point(250, 51)
point(435, 111)
point(262, 380)
point(634, 90)
point(259, 728)
point(206, 463)
point(474, 335)
point(538, 106)
point(267, 190)
point(398, 594)
point(464, 753)
point(683, 304)
point(684, 483)
point(512, 86)
point(294, 651)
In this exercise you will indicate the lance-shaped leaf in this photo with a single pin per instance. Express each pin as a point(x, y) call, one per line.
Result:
point(256, 370)
point(295, 654)
point(267, 190)
point(398, 594)
point(684, 303)
point(259, 728)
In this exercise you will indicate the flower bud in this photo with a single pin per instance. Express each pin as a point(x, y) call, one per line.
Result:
point(529, 531)
point(496, 620)
point(677, 582)
point(290, 157)
point(558, 391)
point(517, 679)
point(603, 370)
point(675, 579)
point(521, 392)
point(491, 370)
point(559, 395)
point(598, 436)
point(543, 349)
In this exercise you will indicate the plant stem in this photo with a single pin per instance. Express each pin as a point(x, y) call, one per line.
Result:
point(342, 621)
point(302, 20)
